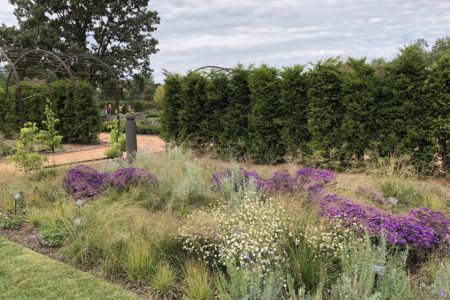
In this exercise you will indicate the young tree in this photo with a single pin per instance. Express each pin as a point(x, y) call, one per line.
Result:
point(294, 102)
point(264, 142)
point(119, 32)
point(25, 157)
point(50, 137)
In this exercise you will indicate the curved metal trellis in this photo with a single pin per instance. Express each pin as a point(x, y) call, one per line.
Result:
point(64, 63)
point(211, 68)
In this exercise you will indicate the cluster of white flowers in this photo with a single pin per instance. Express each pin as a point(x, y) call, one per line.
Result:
point(249, 234)
point(328, 240)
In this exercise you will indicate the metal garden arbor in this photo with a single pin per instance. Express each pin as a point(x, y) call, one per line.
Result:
point(21, 63)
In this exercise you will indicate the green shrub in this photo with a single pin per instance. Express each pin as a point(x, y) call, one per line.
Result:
point(247, 284)
point(147, 126)
point(370, 272)
point(118, 142)
point(10, 222)
point(25, 157)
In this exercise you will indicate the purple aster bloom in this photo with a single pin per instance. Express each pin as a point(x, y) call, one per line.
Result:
point(84, 182)
point(126, 177)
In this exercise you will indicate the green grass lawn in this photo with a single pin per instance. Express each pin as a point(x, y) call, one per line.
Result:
point(25, 274)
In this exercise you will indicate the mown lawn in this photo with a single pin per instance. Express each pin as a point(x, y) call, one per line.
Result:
point(25, 274)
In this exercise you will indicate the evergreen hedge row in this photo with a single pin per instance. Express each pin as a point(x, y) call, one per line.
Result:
point(76, 109)
point(334, 111)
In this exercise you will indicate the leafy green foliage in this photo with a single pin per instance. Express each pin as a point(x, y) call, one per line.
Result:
point(245, 284)
point(10, 222)
point(49, 137)
point(118, 141)
point(25, 157)
point(88, 27)
point(75, 110)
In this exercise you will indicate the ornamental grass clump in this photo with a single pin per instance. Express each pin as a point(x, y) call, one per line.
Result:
point(249, 235)
point(126, 177)
point(84, 182)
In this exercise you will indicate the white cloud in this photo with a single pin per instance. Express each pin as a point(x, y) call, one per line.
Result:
point(194, 33)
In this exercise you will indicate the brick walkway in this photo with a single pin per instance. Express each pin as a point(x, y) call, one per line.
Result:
point(146, 144)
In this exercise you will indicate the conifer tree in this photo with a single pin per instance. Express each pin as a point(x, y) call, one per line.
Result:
point(216, 102)
point(192, 113)
point(438, 95)
point(357, 128)
point(325, 107)
point(171, 107)
point(235, 118)
point(264, 142)
point(294, 102)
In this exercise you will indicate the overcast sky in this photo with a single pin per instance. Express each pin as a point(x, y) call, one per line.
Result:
point(195, 33)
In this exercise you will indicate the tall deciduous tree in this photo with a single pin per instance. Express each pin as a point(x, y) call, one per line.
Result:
point(117, 31)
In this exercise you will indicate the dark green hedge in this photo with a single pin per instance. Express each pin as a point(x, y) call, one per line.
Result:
point(76, 109)
point(334, 110)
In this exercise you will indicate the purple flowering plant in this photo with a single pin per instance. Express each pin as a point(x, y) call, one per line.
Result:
point(126, 177)
point(85, 182)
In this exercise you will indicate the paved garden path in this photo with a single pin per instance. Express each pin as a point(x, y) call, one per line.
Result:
point(146, 144)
